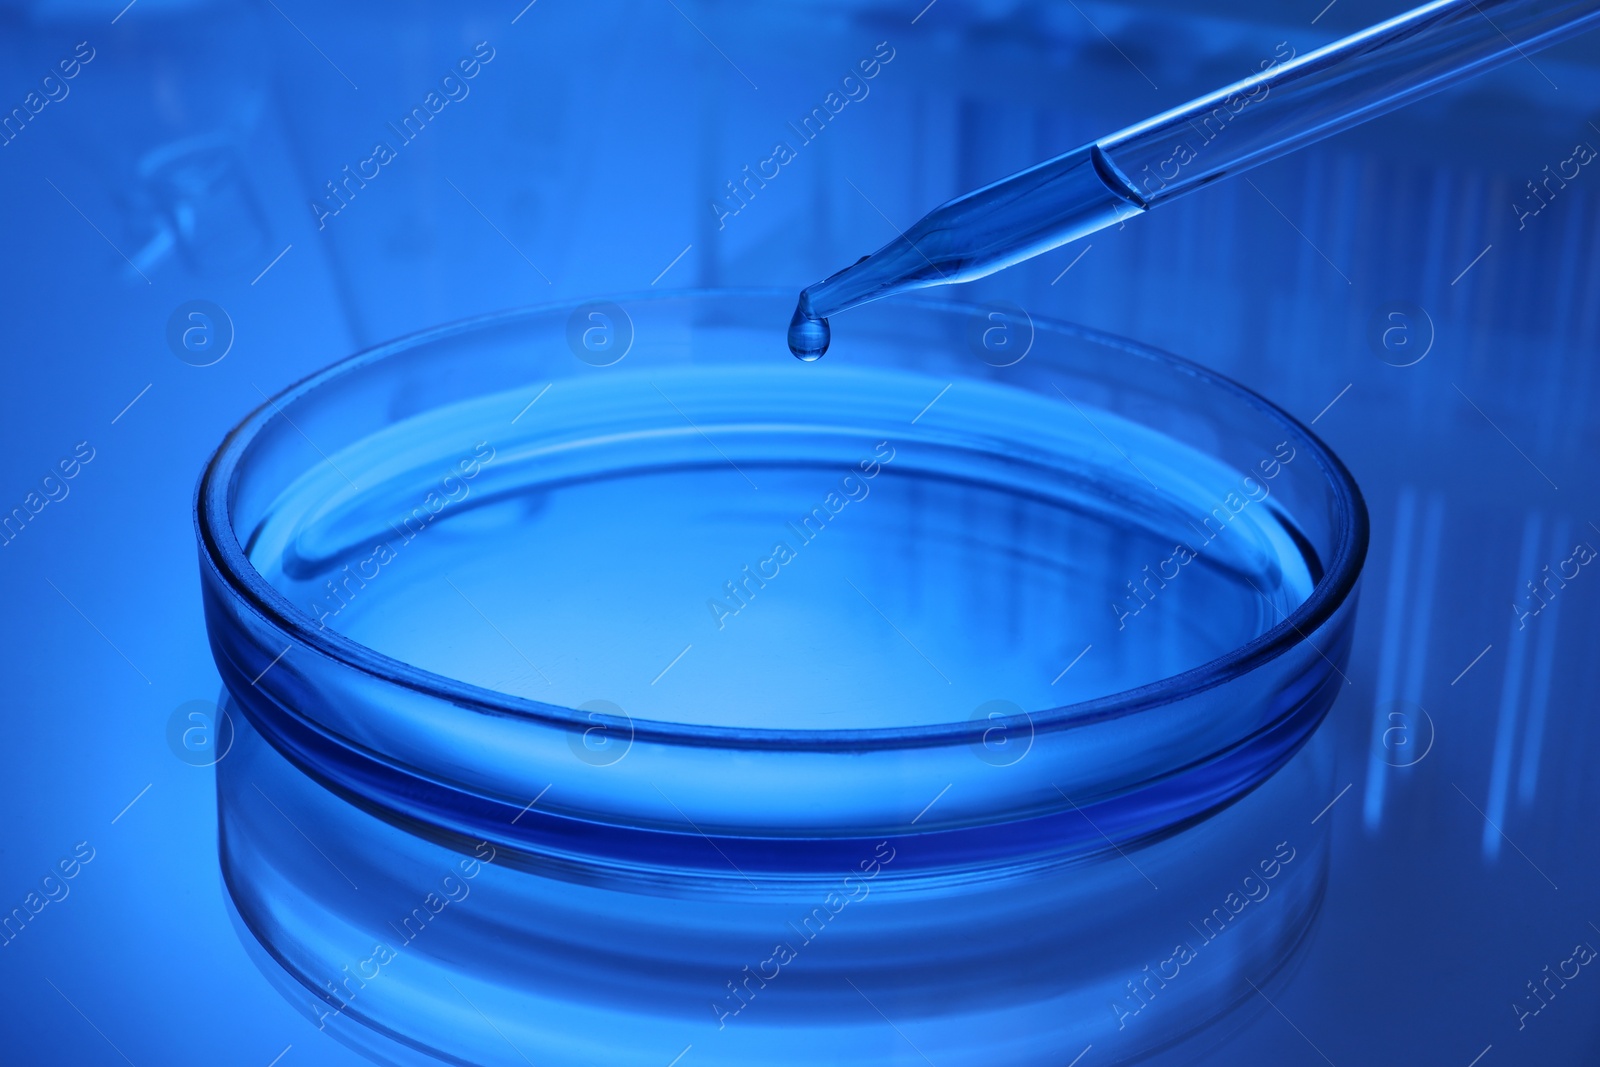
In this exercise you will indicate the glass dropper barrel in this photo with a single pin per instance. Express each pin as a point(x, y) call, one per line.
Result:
point(1290, 103)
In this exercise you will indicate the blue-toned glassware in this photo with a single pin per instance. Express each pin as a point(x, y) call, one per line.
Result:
point(637, 655)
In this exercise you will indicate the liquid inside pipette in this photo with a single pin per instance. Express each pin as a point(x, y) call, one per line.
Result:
point(989, 229)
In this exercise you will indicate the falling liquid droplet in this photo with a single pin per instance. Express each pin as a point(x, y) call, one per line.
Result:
point(808, 334)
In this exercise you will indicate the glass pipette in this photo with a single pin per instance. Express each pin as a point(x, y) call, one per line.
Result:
point(1286, 106)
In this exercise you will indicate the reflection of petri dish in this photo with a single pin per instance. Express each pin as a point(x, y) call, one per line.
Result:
point(707, 586)
point(393, 943)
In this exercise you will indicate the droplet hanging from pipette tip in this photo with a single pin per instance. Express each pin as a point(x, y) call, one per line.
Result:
point(808, 334)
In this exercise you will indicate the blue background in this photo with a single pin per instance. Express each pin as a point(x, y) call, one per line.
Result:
point(182, 166)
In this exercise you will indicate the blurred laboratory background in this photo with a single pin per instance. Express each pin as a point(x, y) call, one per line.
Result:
point(316, 178)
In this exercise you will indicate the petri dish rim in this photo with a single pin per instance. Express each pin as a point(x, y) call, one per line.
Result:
point(219, 541)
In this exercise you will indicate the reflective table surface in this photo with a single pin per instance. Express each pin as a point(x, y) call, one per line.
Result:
point(1419, 292)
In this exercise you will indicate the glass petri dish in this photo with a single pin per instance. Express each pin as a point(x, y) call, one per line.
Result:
point(623, 589)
